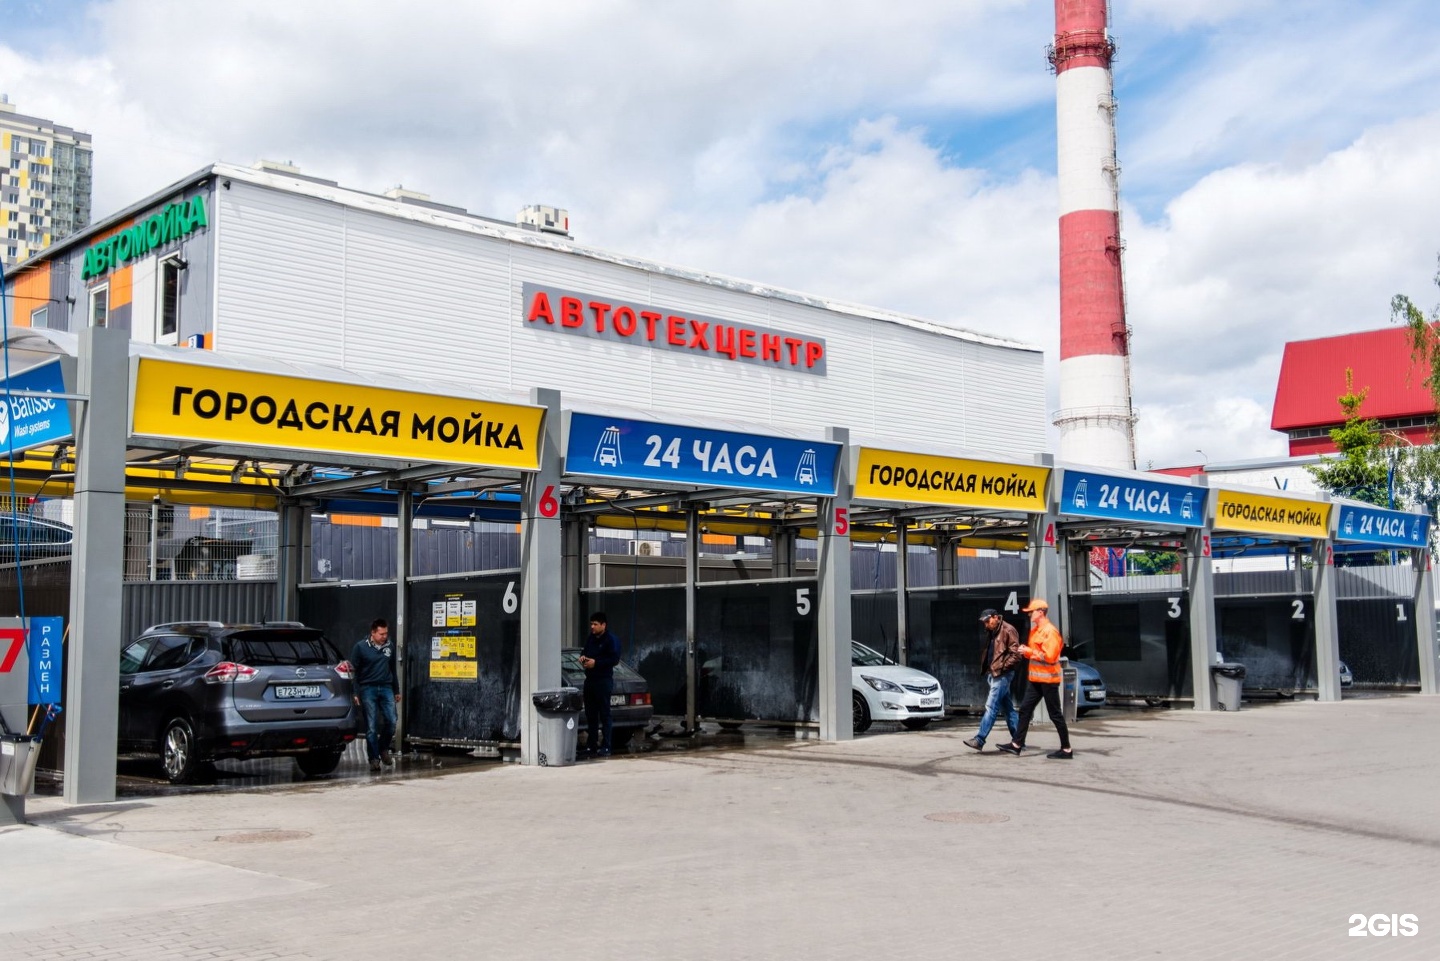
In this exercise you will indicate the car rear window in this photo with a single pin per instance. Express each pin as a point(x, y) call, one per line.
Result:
point(272, 648)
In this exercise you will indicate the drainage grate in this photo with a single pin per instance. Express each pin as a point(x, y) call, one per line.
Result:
point(263, 837)
point(967, 817)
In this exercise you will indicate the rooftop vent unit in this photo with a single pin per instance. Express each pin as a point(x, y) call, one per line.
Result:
point(398, 192)
point(645, 548)
point(551, 220)
point(275, 166)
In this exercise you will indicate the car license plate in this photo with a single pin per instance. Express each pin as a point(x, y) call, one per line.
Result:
point(929, 702)
point(1093, 695)
point(617, 700)
point(291, 692)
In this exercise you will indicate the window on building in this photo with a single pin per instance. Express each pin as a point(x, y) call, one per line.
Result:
point(99, 306)
point(15, 163)
point(17, 144)
point(37, 148)
point(11, 252)
point(40, 317)
point(13, 234)
point(170, 296)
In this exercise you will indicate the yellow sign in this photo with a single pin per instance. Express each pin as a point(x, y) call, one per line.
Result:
point(1264, 514)
point(219, 405)
point(452, 645)
point(951, 481)
point(454, 671)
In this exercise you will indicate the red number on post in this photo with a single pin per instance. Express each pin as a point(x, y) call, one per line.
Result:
point(1049, 535)
point(1204, 545)
point(842, 521)
point(549, 506)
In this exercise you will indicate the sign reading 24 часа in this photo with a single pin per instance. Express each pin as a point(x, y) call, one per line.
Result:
point(1132, 499)
point(676, 454)
point(1376, 525)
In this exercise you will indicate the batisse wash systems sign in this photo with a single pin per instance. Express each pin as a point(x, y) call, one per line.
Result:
point(214, 404)
point(950, 481)
point(175, 221)
point(663, 328)
point(1263, 514)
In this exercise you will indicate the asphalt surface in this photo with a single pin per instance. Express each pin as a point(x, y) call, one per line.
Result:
point(1256, 834)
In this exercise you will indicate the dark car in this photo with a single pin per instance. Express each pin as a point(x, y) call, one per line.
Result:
point(630, 707)
point(195, 692)
point(26, 537)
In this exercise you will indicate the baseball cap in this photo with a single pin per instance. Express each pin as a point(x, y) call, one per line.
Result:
point(1036, 604)
point(988, 613)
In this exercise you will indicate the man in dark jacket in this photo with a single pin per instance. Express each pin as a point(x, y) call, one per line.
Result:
point(377, 690)
point(997, 664)
point(599, 655)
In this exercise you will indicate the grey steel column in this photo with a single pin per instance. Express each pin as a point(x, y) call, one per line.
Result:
point(947, 566)
point(1200, 579)
point(692, 575)
point(540, 561)
point(1425, 622)
point(575, 536)
point(97, 562)
point(902, 590)
point(782, 553)
point(833, 598)
point(404, 534)
point(1045, 548)
point(1327, 622)
point(289, 559)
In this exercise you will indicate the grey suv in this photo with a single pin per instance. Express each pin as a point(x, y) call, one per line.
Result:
point(193, 692)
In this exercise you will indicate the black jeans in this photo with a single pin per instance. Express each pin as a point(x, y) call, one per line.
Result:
point(1051, 694)
point(597, 712)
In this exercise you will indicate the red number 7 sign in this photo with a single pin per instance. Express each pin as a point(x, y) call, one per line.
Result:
point(12, 639)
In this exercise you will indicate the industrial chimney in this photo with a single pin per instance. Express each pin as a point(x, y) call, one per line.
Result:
point(1096, 421)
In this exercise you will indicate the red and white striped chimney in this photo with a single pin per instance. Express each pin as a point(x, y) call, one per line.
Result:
point(1096, 421)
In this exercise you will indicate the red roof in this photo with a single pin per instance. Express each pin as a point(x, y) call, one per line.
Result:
point(1312, 376)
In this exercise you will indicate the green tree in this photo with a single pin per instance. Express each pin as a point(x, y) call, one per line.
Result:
point(1155, 562)
point(1424, 338)
point(1361, 471)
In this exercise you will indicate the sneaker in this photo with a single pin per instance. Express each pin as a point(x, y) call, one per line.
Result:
point(375, 766)
point(1011, 749)
point(974, 742)
point(603, 752)
point(388, 759)
point(1061, 755)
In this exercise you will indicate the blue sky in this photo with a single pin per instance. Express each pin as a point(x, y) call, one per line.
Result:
point(1278, 159)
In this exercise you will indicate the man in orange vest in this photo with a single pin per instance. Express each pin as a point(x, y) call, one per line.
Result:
point(1043, 648)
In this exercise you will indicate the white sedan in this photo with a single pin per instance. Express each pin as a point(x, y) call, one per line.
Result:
point(885, 691)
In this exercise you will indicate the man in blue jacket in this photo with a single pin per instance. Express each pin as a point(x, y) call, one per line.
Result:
point(598, 656)
point(377, 690)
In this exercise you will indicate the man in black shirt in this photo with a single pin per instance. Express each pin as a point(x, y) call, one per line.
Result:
point(599, 655)
point(377, 690)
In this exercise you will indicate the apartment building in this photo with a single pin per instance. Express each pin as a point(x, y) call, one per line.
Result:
point(45, 172)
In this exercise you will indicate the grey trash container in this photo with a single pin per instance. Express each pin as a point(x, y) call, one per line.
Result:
point(1229, 679)
point(559, 709)
point(18, 756)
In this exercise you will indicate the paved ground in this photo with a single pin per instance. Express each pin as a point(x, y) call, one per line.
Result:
point(1172, 835)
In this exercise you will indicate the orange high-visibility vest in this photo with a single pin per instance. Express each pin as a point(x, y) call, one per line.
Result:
point(1045, 645)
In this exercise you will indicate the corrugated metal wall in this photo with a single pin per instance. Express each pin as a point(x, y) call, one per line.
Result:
point(158, 602)
point(394, 297)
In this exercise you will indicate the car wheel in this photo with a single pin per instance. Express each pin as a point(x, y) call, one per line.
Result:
point(915, 723)
point(860, 713)
point(178, 752)
point(1286, 693)
point(318, 763)
point(1081, 711)
point(621, 737)
point(1154, 701)
point(730, 727)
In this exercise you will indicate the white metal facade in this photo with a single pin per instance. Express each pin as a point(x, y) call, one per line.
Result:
point(336, 277)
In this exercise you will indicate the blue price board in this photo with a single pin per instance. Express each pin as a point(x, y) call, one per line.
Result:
point(1376, 525)
point(676, 454)
point(27, 422)
point(46, 658)
point(1132, 499)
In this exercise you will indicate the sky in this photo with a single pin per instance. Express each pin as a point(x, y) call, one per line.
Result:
point(1280, 161)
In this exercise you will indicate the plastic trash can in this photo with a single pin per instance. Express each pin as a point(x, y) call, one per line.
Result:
point(559, 709)
point(19, 754)
point(1229, 679)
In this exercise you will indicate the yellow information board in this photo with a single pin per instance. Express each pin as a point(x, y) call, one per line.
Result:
point(219, 405)
point(454, 670)
point(886, 475)
point(1267, 514)
point(452, 645)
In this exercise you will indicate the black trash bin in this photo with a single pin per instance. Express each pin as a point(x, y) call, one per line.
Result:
point(559, 709)
point(1229, 679)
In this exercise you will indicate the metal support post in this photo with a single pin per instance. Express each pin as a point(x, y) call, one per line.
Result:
point(1045, 565)
point(1327, 624)
point(154, 560)
point(1425, 621)
point(1200, 580)
point(782, 554)
point(833, 590)
point(540, 562)
point(289, 559)
point(404, 533)
point(575, 535)
point(96, 610)
point(692, 574)
point(902, 590)
point(947, 567)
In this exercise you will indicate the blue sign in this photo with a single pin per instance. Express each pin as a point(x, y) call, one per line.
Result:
point(675, 454)
point(1376, 525)
point(46, 658)
point(1132, 499)
point(27, 422)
